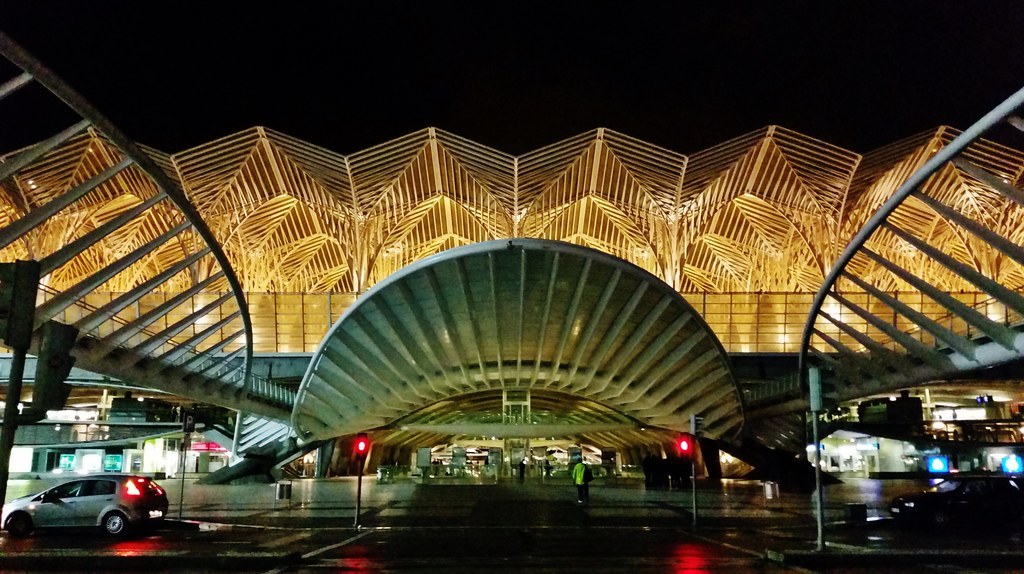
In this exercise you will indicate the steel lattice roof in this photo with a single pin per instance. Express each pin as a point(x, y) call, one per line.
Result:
point(768, 211)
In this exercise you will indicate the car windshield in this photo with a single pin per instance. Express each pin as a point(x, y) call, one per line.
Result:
point(945, 486)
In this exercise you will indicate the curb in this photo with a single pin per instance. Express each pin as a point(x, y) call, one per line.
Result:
point(885, 557)
point(153, 562)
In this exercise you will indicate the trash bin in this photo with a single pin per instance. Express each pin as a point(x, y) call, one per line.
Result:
point(771, 490)
point(856, 512)
point(283, 490)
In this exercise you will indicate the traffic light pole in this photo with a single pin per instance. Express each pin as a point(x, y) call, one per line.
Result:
point(361, 448)
point(693, 485)
point(186, 440)
point(19, 282)
point(697, 429)
point(12, 399)
point(814, 384)
point(359, 491)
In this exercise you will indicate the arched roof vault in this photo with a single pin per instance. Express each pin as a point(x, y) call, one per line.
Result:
point(549, 316)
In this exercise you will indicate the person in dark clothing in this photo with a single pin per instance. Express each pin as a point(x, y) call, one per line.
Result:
point(649, 463)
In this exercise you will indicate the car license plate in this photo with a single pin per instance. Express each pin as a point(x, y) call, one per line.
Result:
point(895, 510)
point(156, 513)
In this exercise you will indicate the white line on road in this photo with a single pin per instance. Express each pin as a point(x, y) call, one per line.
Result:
point(745, 551)
point(319, 551)
point(288, 539)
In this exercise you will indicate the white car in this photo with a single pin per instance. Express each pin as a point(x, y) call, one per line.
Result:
point(114, 502)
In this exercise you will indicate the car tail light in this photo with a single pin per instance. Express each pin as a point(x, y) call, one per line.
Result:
point(131, 489)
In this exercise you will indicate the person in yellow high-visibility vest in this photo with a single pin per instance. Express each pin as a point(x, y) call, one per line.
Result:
point(581, 477)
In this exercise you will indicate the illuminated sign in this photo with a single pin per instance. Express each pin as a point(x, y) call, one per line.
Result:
point(938, 463)
point(208, 447)
point(112, 462)
point(1011, 464)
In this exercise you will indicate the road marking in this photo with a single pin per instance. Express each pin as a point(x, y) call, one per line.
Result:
point(747, 551)
point(345, 542)
point(321, 550)
point(843, 546)
point(288, 539)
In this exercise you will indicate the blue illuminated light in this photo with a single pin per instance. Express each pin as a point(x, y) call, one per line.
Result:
point(938, 463)
point(1012, 464)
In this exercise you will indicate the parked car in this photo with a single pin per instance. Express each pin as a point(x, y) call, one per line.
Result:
point(114, 502)
point(962, 499)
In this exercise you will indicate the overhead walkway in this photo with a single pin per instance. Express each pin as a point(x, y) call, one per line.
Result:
point(180, 323)
point(929, 237)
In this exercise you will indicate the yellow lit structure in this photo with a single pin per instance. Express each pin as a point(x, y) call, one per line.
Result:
point(178, 267)
point(745, 230)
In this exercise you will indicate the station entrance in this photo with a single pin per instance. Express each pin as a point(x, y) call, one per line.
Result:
point(511, 434)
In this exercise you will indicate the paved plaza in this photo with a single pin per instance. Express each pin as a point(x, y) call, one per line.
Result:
point(444, 526)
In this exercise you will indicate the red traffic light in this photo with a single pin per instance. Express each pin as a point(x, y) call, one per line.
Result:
point(362, 444)
point(686, 445)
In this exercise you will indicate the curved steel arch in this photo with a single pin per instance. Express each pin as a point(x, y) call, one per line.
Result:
point(518, 314)
point(898, 345)
point(189, 344)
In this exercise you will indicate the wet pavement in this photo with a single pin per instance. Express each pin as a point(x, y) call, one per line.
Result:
point(534, 526)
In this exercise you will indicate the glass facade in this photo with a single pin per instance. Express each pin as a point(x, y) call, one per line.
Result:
point(743, 322)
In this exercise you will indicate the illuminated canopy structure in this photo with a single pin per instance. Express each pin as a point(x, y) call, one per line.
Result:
point(745, 231)
point(540, 317)
point(765, 213)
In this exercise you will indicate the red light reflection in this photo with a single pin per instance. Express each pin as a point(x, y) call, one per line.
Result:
point(138, 547)
point(689, 557)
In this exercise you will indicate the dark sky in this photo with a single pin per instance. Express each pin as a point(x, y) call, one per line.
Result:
point(520, 75)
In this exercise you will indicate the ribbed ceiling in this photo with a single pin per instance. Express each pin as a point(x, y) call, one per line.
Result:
point(519, 314)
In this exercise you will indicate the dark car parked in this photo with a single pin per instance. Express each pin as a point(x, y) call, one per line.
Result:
point(962, 499)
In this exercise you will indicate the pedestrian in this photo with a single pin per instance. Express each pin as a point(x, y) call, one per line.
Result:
point(581, 477)
point(522, 468)
point(547, 468)
point(648, 465)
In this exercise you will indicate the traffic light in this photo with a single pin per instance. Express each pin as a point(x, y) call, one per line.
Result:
point(362, 445)
point(697, 425)
point(686, 445)
point(19, 282)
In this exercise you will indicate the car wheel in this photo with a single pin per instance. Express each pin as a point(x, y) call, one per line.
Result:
point(115, 523)
point(19, 525)
point(939, 518)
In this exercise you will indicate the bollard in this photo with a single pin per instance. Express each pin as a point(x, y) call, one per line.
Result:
point(857, 513)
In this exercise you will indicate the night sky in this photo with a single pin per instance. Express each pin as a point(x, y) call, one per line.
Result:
point(520, 75)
